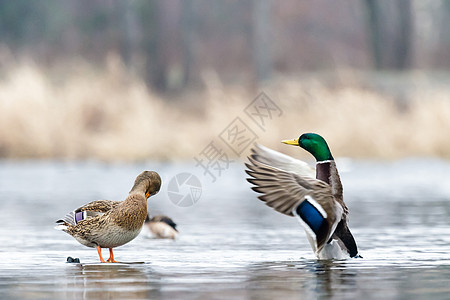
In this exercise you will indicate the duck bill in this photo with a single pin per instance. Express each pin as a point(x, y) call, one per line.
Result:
point(291, 142)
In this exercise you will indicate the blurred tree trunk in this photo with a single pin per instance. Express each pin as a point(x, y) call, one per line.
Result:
point(164, 37)
point(403, 40)
point(262, 39)
point(374, 30)
point(188, 36)
point(442, 51)
point(130, 34)
point(169, 55)
point(390, 29)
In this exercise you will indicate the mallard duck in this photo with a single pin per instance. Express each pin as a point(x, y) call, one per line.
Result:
point(288, 186)
point(162, 227)
point(109, 224)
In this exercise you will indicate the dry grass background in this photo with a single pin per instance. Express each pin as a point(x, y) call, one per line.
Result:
point(110, 115)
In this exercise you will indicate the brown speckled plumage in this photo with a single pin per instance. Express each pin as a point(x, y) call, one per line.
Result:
point(109, 224)
point(131, 215)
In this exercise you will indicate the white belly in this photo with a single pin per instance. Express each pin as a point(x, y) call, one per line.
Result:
point(114, 237)
point(161, 230)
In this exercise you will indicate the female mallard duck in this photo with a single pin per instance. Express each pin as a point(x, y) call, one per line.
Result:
point(288, 185)
point(162, 227)
point(109, 224)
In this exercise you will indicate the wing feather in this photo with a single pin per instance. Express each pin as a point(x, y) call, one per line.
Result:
point(281, 161)
point(283, 190)
point(92, 209)
point(100, 206)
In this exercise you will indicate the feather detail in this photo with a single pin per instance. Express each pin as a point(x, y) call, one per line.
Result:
point(81, 214)
point(281, 161)
point(283, 190)
point(316, 223)
point(68, 219)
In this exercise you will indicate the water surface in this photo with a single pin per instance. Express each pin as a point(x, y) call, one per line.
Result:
point(231, 245)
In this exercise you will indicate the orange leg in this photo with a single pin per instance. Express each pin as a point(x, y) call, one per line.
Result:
point(99, 250)
point(111, 256)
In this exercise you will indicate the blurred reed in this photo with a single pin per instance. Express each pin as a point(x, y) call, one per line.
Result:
point(111, 115)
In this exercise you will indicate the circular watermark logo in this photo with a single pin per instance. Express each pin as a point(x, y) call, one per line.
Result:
point(184, 189)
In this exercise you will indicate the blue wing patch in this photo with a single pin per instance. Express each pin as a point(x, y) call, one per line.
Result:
point(314, 219)
point(79, 216)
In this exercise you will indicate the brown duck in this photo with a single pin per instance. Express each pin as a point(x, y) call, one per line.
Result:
point(109, 224)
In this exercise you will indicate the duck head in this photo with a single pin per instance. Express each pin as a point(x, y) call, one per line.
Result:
point(148, 182)
point(314, 144)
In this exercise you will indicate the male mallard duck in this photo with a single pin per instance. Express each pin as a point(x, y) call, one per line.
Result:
point(109, 224)
point(288, 185)
point(162, 227)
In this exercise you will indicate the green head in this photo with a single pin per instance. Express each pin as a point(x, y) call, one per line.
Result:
point(314, 144)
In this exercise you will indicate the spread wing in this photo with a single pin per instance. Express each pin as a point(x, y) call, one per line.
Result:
point(283, 190)
point(282, 161)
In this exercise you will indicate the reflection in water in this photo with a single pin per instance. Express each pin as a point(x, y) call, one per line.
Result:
point(73, 281)
point(333, 277)
point(325, 278)
point(110, 281)
point(309, 278)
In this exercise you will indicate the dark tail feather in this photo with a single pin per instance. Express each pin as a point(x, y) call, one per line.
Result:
point(169, 222)
point(344, 234)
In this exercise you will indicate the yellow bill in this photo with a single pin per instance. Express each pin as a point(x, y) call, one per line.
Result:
point(291, 142)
